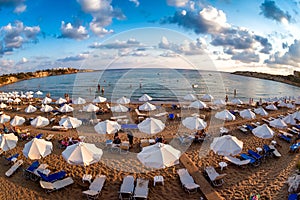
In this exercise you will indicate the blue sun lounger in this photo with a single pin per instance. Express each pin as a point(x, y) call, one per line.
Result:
point(30, 170)
point(53, 177)
point(249, 127)
point(12, 158)
point(253, 161)
point(281, 136)
point(294, 147)
point(268, 152)
point(39, 136)
point(254, 154)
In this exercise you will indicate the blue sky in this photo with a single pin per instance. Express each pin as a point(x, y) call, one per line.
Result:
point(225, 35)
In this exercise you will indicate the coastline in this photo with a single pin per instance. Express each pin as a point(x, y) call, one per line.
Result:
point(290, 79)
point(7, 79)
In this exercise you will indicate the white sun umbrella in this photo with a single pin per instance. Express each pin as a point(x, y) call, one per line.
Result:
point(90, 108)
point(145, 97)
point(99, 99)
point(123, 100)
point(9, 100)
point(247, 114)
point(147, 107)
point(46, 100)
point(17, 121)
point(83, 154)
point(278, 123)
point(60, 101)
point(29, 93)
point(3, 105)
point(37, 148)
point(119, 108)
point(290, 105)
point(219, 102)
point(207, 97)
point(236, 101)
point(282, 104)
point(107, 126)
point(70, 122)
point(8, 141)
point(46, 108)
point(151, 126)
point(296, 115)
point(29, 96)
point(30, 109)
point(79, 101)
point(226, 145)
point(271, 107)
point(39, 121)
point(198, 105)
point(17, 100)
point(225, 115)
point(290, 119)
point(190, 97)
point(193, 123)
point(4, 118)
point(65, 108)
point(159, 156)
point(263, 131)
point(260, 111)
point(39, 93)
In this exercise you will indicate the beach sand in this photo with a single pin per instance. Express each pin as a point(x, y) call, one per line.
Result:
point(268, 179)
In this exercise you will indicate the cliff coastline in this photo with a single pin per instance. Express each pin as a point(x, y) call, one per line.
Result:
point(290, 79)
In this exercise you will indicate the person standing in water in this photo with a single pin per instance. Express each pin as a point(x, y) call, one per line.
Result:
point(102, 91)
point(99, 88)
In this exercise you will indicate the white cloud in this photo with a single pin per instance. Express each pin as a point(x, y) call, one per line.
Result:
point(6, 63)
point(20, 8)
point(102, 12)
point(177, 3)
point(79, 57)
point(117, 44)
point(136, 2)
point(69, 31)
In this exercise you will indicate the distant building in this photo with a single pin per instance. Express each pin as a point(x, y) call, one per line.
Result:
point(297, 74)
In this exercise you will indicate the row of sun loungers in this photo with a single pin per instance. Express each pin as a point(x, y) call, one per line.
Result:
point(128, 191)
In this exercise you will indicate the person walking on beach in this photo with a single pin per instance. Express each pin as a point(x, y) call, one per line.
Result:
point(234, 93)
point(226, 98)
point(99, 88)
point(102, 91)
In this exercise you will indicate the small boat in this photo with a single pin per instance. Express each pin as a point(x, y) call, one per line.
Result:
point(194, 85)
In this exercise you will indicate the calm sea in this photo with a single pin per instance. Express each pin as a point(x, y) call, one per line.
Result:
point(161, 84)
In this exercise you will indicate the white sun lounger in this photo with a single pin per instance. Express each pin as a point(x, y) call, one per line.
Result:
point(215, 178)
point(187, 181)
point(127, 187)
point(275, 152)
point(96, 187)
point(237, 161)
point(50, 187)
point(141, 189)
point(14, 168)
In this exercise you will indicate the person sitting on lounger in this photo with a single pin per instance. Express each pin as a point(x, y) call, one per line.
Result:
point(199, 136)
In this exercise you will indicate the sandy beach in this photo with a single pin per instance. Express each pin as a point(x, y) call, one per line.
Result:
point(268, 179)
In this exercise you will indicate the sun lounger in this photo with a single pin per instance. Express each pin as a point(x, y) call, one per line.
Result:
point(39, 136)
point(52, 177)
point(297, 126)
point(293, 196)
point(294, 147)
point(265, 120)
point(285, 138)
point(237, 161)
point(14, 168)
point(242, 129)
point(50, 187)
point(96, 187)
point(285, 133)
point(12, 159)
point(275, 152)
point(127, 188)
point(59, 128)
point(253, 161)
point(187, 181)
point(161, 114)
point(249, 127)
point(124, 147)
point(293, 130)
point(30, 170)
point(141, 189)
point(49, 137)
point(296, 129)
point(215, 178)
point(268, 152)
point(254, 154)
point(138, 113)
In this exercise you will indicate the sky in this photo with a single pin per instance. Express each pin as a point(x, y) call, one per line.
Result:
point(223, 35)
